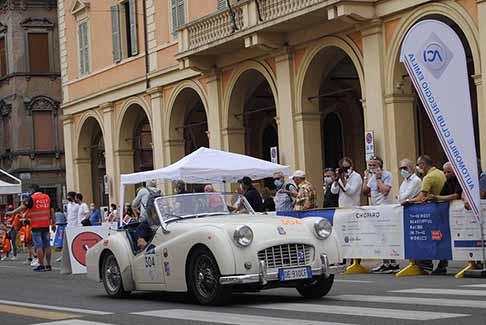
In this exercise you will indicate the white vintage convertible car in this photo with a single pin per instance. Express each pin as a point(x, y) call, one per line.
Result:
point(213, 244)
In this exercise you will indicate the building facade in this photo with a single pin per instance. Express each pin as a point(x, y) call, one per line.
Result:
point(31, 132)
point(147, 82)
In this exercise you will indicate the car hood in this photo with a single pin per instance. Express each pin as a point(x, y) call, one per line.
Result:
point(263, 226)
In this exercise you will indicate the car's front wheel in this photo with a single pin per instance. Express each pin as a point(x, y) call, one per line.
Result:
point(316, 288)
point(112, 278)
point(204, 279)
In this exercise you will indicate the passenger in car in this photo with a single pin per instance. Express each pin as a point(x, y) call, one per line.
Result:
point(145, 231)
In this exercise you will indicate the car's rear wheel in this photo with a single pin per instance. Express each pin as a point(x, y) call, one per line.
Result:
point(316, 288)
point(112, 278)
point(204, 277)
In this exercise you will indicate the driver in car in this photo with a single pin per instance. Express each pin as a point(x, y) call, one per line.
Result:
point(145, 231)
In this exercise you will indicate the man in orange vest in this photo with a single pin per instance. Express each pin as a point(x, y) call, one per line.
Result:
point(41, 215)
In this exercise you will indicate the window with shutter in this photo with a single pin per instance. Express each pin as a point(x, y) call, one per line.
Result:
point(133, 27)
point(115, 33)
point(178, 15)
point(38, 52)
point(43, 130)
point(222, 4)
point(83, 48)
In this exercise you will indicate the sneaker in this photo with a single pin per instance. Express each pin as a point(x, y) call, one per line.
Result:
point(13, 258)
point(39, 268)
point(35, 262)
point(59, 260)
point(3, 258)
point(440, 271)
point(379, 268)
point(48, 268)
point(391, 268)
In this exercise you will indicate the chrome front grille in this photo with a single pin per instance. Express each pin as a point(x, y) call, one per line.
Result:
point(287, 255)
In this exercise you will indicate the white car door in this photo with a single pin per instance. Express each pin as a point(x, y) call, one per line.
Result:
point(148, 265)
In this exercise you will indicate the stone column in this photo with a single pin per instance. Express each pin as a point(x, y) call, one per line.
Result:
point(285, 109)
point(401, 133)
point(214, 111)
point(234, 139)
point(157, 126)
point(113, 177)
point(69, 149)
point(124, 163)
point(83, 182)
point(374, 110)
point(309, 150)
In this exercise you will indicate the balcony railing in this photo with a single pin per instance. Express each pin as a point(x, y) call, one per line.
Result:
point(230, 30)
point(247, 14)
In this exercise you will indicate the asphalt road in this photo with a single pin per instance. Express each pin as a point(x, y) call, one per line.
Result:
point(51, 298)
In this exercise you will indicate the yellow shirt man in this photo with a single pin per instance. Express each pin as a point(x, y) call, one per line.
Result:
point(433, 182)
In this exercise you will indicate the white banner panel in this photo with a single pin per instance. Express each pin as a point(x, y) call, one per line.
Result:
point(436, 62)
point(371, 231)
point(79, 240)
point(465, 232)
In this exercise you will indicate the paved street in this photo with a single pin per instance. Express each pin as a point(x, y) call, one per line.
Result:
point(51, 298)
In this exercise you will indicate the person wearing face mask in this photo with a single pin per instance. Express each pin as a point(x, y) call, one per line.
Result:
point(330, 200)
point(411, 183)
point(286, 193)
point(72, 210)
point(347, 184)
point(94, 215)
point(377, 185)
point(432, 184)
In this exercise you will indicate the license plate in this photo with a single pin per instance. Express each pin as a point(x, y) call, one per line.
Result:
point(295, 273)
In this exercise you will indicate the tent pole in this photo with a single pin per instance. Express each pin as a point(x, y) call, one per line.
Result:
point(122, 204)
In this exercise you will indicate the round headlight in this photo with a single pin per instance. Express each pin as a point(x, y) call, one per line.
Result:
point(323, 228)
point(243, 236)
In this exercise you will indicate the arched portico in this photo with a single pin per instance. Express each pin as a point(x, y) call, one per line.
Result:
point(249, 125)
point(329, 114)
point(89, 162)
point(134, 152)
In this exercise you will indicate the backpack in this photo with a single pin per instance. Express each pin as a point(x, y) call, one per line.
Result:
point(151, 199)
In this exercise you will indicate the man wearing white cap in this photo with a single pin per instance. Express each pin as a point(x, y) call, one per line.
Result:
point(306, 197)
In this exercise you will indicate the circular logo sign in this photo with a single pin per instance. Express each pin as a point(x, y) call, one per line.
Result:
point(434, 56)
point(81, 243)
point(369, 138)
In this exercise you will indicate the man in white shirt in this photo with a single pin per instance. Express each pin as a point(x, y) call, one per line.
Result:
point(348, 184)
point(377, 185)
point(83, 210)
point(412, 184)
point(72, 210)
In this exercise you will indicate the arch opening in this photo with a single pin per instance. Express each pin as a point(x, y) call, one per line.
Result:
point(91, 168)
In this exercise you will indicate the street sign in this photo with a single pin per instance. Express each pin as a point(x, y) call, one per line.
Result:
point(369, 145)
point(274, 155)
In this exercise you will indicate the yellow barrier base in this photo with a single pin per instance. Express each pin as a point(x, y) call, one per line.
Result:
point(470, 266)
point(410, 270)
point(356, 268)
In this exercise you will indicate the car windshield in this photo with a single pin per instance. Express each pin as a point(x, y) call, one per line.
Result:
point(200, 204)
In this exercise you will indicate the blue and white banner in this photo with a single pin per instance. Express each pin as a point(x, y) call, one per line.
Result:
point(430, 231)
point(436, 62)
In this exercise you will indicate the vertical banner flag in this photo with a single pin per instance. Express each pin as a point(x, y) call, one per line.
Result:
point(436, 62)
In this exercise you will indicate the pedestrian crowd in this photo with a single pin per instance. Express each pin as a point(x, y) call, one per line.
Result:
point(343, 187)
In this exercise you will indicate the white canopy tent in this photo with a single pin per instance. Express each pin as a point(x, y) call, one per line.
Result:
point(206, 166)
point(10, 188)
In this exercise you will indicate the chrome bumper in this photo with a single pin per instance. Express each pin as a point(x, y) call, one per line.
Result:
point(263, 277)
